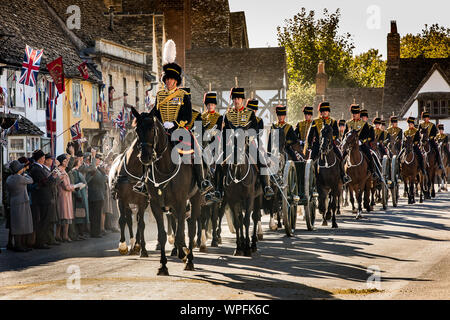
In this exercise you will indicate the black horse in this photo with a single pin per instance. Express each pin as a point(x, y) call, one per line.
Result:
point(170, 184)
point(125, 171)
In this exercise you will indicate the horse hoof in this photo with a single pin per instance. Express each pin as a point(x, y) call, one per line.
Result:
point(203, 249)
point(334, 226)
point(328, 216)
point(219, 240)
point(260, 237)
point(214, 243)
point(144, 254)
point(324, 223)
point(174, 252)
point(338, 212)
point(189, 267)
point(163, 271)
point(123, 248)
point(237, 253)
point(354, 211)
point(254, 248)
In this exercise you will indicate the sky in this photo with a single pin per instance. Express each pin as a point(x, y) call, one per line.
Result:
point(368, 21)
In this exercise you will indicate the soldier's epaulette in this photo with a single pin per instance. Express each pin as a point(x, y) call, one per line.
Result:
point(185, 92)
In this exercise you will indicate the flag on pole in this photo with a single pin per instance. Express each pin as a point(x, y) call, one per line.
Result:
point(56, 70)
point(75, 131)
point(84, 71)
point(30, 66)
point(120, 124)
point(51, 117)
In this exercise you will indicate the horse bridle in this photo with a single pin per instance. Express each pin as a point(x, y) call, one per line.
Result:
point(156, 156)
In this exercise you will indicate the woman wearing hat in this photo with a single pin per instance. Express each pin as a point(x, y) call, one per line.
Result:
point(21, 217)
point(65, 204)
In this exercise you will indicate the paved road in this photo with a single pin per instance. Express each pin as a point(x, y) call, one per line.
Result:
point(407, 247)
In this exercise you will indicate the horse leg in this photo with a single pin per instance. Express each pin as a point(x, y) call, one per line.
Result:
point(322, 205)
point(256, 224)
point(204, 227)
point(329, 208)
point(272, 224)
point(162, 238)
point(339, 199)
point(236, 210)
point(199, 228)
point(433, 177)
point(214, 220)
point(248, 212)
point(123, 248)
point(352, 199)
point(129, 219)
point(141, 228)
point(336, 206)
point(195, 214)
point(180, 242)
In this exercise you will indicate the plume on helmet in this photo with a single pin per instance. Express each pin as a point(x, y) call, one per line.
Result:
point(169, 52)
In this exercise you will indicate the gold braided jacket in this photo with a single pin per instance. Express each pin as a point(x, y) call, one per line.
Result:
point(210, 119)
point(428, 126)
point(394, 131)
point(303, 127)
point(195, 116)
point(239, 119)
point(285, 126)
point(411, 132)
point(440, 137)
point(355, 125)
point(380, 134)
point(169, 109)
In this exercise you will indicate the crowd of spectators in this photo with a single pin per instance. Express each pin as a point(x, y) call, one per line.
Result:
point(51, 201)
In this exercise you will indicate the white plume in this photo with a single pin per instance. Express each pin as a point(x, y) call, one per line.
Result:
point(170, 52)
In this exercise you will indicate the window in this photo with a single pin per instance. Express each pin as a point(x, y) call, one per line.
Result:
point(95, 96)
point(443, 110)
point(110, 80)
point(20, 146)
point(124, 86)
point(46, 145)
point(11, 103)
point(76, 107)
point(136, 94)
point(435, 107)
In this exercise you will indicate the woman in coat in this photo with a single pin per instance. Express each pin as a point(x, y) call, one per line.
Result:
point(21, 218)
point(80, 200)
point(65, 204)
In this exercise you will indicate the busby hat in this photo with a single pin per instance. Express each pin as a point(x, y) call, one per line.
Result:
point(37, 154)
point(441, 126)
point(342, 122)
point(252, 104)
point(364, 113)
point(308, 110)
point(237, 93)
point(383, 122)
point(210, 97)
point(281, 110)
point(377, 121)
point(355, 109)
point(411, 120)
point(425, 114)
point(170, 68)
point(324, 106)
point(393, 119)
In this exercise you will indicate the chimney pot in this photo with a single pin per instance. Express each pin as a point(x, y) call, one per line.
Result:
point(393, 26)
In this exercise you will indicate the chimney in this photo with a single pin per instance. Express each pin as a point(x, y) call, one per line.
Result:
point(393, 46)
point(111, 18)
point(321, 79)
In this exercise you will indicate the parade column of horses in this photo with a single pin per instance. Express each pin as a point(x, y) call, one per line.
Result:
point(154, 171)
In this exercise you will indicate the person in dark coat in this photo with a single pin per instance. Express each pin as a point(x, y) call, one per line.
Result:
point(96, 195)
point(21, 217)
point(42, 197)
point(53, 219)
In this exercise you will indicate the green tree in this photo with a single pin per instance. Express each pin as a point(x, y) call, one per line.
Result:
point(298, 96)
point(433, 42)
point(307, 41)
point(368, 69)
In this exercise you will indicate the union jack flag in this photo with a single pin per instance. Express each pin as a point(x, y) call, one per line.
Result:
point(75, 131)
point(120, 123)
point(30, 66)
point(50, 113)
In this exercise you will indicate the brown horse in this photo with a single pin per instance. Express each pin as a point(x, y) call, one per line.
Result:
point(409, 171)
point(430, 162)
point(357, 167)
point(443, 174)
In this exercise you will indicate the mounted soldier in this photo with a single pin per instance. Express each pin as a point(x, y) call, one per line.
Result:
point(442, 138)
point(239, 117)
point(380, 136)
point(415, 134)
point(303, 126)
point(252, 104)
point(314, 136)
point(432, 132)
point(395, 133)
point(366, 136)
point(174, 109)
point(286, 130)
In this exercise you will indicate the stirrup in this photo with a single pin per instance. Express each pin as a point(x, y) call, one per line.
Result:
point(205, 187)
point(140, 188)
point(268, 192)
point(347, 179)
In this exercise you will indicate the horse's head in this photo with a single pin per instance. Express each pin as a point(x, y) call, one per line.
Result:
point(147, 127)
point(409, 143)
point(424, 139)
point(350, 140)
point(326, 138)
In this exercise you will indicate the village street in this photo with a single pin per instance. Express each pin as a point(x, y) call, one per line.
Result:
point(406, 248)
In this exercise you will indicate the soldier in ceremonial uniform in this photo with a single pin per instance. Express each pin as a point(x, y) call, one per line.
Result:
point(287, 130)
point(394, 131)
point(432, 132)
point(413, 132)
point(341, 129)
point(380, 136)
point(441, 137)
point(366, 136)
point(314, 135)
point(252, 104)
point(239, 117)
point(303, 126)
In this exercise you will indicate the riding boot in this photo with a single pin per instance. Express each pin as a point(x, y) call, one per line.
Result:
point(420, 159)
point(265, 182)
point(203, 183)
point(344, 177)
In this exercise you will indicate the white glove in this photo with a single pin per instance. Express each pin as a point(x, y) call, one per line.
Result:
point(168, 125)
point(82, 185)
point(359, 143)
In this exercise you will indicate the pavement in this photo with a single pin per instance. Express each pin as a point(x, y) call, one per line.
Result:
point(400, 253)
